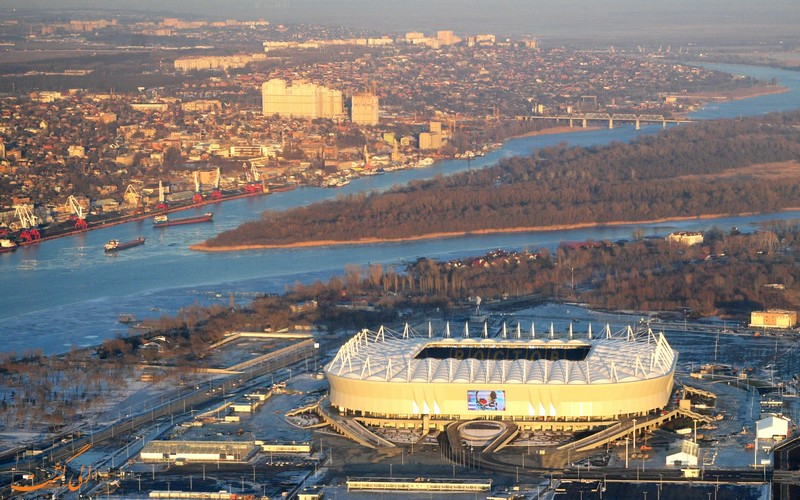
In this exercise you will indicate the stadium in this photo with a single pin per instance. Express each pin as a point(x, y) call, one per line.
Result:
point(389, 375)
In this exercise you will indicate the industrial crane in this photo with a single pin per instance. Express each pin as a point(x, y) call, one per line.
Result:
point(253, 180)
point(77, 215)
point(216, 194)
point(198, 195)
point(162, 204)
point(133, 198)
point(25, 215)
point(28, 223)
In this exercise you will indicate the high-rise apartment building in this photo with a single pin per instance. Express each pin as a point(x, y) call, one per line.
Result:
point(364, 109)
point(300, 100)
point(447, 37)
point(430, 141)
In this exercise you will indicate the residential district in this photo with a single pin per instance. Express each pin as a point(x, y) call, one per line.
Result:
point(106, 118)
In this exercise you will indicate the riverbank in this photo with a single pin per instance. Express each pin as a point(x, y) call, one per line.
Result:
point(202, 247)
point(49, 284)
point(560, 129)
point(124, 219)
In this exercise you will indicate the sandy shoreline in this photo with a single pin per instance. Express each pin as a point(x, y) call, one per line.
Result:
point(737, 94)
point(202, 247)
point(561, 129)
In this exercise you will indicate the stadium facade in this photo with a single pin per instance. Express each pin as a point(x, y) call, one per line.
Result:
point(514, 376)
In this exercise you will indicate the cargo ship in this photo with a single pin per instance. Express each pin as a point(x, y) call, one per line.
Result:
point(116, 245)
point(164, 221)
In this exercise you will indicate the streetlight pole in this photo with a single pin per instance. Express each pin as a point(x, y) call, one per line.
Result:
point(755, 448)
point(660, 483)
point(626, 452)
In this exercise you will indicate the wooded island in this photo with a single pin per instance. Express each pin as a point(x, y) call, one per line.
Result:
point(710, 168)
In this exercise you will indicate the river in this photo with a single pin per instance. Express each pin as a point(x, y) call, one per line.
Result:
point(68, 292)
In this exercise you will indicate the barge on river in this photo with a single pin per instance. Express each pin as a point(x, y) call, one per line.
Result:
point(116, 245)
point(164, 220)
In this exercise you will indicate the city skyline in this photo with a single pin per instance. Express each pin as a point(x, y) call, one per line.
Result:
point(579, 19)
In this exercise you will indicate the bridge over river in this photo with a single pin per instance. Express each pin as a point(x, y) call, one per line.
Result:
point(585, 118)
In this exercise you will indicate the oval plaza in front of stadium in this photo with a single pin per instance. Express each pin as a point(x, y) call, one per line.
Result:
point(387, 375)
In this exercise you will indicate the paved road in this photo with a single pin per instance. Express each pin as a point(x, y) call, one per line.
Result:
point(198, 399)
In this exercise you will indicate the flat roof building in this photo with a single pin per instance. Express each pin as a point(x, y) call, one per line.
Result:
point(772, 426)
point(686, 237)
point(364, 109)
point(300, 100)
point(685, 453)
point(429, 141)
point(198, 451)
point(775, 318)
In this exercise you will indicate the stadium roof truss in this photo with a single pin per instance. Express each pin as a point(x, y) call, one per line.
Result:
point(513, 357)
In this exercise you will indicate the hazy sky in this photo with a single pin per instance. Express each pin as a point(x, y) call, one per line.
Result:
point(603, 18)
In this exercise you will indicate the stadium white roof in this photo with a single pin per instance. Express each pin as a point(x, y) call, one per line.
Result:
point(388, 356)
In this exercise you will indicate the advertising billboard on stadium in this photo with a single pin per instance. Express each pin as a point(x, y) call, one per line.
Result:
point(486, 400)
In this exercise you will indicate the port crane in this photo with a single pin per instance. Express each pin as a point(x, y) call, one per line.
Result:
point(253, 180)
point(133, 198)
point(198, 195)
point(162, 204)
point(216, 194)
point(28, 223)
point(78, 216)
